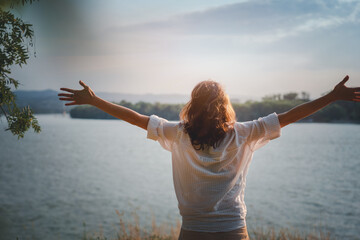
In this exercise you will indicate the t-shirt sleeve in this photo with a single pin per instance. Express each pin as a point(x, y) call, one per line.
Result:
point(163, 131)
point(261, 131)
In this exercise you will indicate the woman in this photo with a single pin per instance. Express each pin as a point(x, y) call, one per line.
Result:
point(211, 152)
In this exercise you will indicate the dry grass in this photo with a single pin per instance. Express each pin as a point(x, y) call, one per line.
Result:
point(286, 234)
point(133, 231)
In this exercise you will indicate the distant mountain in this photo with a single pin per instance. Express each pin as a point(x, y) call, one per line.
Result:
point(45, 101)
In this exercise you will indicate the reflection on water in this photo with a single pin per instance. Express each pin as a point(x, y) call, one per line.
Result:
point(80, 170)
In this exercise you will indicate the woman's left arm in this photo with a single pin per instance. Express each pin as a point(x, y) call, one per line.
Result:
point(340, 92)
point(87, 96)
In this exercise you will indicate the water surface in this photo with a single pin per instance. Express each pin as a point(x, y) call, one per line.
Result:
point(81, 170)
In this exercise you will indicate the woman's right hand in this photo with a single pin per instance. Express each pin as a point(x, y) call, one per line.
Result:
point(78, 97)
point(87, 96)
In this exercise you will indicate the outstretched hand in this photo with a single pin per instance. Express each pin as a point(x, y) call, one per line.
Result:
point(77, 97)
point(341, 92)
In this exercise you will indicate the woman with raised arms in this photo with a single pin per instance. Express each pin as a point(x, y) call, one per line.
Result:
point(211, 152)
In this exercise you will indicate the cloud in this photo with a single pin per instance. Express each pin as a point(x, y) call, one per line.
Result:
point(263, 21)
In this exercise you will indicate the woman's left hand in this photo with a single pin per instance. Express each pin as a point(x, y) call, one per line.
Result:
point(341, 92)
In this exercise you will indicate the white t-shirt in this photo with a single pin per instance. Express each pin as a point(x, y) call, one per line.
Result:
point(210, 184)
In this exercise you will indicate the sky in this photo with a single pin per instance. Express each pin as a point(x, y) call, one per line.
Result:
point(254, 48)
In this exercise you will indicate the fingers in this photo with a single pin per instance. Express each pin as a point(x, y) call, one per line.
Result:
point(66, 99)
point(83, 84)
point(68, 90)
point(346, 78)
point(65, 95)
point(357, 89)
point(69, 104)
point(356, 97)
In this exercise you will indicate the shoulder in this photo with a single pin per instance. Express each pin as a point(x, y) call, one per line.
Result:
point(243, 127)
point(161, 127)
point(268, 127)
point(271, 119)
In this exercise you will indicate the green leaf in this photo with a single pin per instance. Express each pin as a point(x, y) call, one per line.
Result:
point(16, 39)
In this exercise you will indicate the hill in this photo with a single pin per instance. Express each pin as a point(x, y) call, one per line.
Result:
point(45, 101)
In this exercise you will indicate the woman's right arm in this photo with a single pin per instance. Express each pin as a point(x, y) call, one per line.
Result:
point(87, 96)
point(340, 92)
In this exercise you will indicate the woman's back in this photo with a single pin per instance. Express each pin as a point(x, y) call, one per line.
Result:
point(210, 183)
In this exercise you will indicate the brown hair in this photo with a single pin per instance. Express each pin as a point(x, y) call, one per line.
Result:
point(208, 115)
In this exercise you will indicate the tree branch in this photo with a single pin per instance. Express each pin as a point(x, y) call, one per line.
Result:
point(2, 109)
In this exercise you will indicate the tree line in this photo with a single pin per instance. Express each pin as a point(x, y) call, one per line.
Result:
point(340, 111)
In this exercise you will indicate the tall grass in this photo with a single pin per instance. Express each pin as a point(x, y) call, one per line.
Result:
point(133, 231)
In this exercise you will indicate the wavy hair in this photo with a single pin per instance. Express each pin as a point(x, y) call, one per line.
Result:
point(208, 115)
